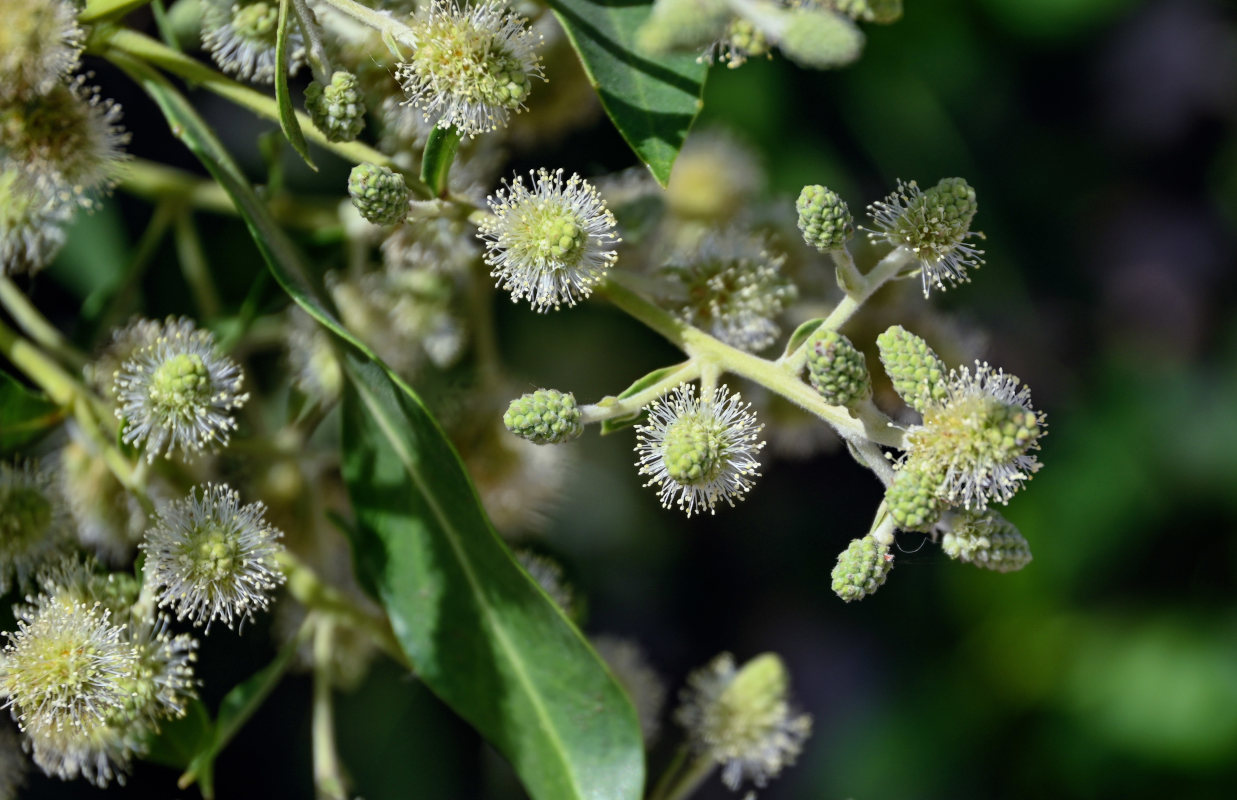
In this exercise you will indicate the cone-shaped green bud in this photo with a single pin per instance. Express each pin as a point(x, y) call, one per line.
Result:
point(879, 11)
point(820, 39)
point(338, 109)
point(378, 193)
point(546, 416)
point(836, 369)
point(824, 219)
point(912, 501)
point(917, 372)
point(692, 451)
point(988, 541)
point(861, 569)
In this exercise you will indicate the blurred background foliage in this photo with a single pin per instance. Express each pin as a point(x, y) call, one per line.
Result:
point(1101, 137)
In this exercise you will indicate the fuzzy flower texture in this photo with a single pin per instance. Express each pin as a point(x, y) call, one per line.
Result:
point(550, 243)
point(472, 66)
point(699, 451)
point(935, 225)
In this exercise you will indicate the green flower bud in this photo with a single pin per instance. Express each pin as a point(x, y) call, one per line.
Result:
point(912, 501)
point(988, 541)
point(682, 24)
point(824, 219)
point(820, 39)
point(935, 225)
point(917, 372)
point(879, 11)
point(338, 110)
point(836, 369)
point(379, 194)
point(861, 569)
point(546, 416)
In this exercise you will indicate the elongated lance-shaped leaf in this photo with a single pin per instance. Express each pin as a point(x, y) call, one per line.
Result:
point(652, 100)
point(490, 642)
point(479, 632)
point(288, 122)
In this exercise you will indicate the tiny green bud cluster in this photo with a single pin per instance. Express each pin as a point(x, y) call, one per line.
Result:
point(912, 501)
point(988, 541)
point(917, 372)
point(546, 416)
point(337, 109)
point(824, 219)
point(836, 369)
point(378, 193)
point(742, 719)
point(861, 569)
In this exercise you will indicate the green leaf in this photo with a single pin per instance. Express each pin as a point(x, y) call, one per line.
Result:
point(237, 706)
point(438, 157)
point(800, 335)
point(25, 415)
point(652, 100)
point(288, 122)
point(619, 423)
point(478, 631)
point(180, 740)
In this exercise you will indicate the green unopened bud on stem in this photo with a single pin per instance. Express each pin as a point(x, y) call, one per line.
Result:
point(861, 569)
point(917, 372)
point(824, 219)
point(337, 109)
point(988, 541)
point(912, 501)
point(546, 416)
point(379, 194)
point(836, 369)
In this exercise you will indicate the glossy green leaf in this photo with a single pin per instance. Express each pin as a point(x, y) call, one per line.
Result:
point(438, 157)
point(25, 415)
point(288, 122)
point(179, 740)
point(801, 333)
point(652, 100)
point(619, 423)
point(477, 629)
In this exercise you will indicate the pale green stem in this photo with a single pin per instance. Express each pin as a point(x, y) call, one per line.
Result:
point(160, 55)
point(318, 58)
point(615, 408)
point(709, 376)
point(375, 19)
point(882, 525)
point(849, 276)
point(156, 182)
point(66, 391)
point(328, 777)
point(311, 592)
point(881, 274)
point(164, 25)
point(672, 770)
point(696, 773)
point(36, 326)
point(96, 10)
point(194, 267)
point(771, 375)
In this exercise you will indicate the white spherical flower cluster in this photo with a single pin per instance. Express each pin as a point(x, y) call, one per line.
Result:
point(551, 243)
point(732, 287)
point(699, 451)
point(472, 66)
point(211, 558)
point(40, 42)
point(34, 522)
point(177, 391)
point(241, 37)
point(977, 441)
point(741, 719)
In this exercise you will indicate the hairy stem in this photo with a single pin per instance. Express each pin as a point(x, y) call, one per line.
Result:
point(616, 408)
point(328, 776)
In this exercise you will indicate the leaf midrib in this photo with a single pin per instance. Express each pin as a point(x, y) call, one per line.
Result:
point(452, 536)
